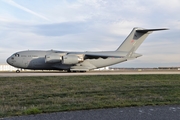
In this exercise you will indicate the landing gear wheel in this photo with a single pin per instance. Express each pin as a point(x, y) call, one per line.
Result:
point(68, 71)
point(18, 71)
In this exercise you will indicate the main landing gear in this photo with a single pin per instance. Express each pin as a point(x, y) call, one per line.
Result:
point(75, 71)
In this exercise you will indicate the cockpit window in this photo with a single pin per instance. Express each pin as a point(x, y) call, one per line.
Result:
point(16, 55)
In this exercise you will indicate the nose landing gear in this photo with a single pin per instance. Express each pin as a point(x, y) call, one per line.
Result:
point(18, 71)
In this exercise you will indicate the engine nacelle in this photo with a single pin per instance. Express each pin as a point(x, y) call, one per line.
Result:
point(53, 58)
point(71, 59)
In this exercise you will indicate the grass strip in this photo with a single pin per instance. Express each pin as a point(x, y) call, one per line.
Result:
point(33, 95)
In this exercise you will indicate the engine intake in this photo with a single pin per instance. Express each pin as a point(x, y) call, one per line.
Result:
point(71, 59)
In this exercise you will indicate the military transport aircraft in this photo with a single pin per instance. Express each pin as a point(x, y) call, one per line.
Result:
point(80, 61)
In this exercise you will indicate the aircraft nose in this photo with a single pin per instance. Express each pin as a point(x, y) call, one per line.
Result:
point(9, 61)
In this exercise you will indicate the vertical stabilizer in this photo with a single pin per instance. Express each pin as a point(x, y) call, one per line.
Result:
point(135, 38)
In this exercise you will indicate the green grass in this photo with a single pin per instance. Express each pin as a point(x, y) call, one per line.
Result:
point(33, 95)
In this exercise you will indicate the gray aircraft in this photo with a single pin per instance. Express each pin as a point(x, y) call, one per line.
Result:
point(80, 61)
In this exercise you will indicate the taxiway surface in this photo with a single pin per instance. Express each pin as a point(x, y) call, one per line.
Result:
point(14, 74)
point(171, 112)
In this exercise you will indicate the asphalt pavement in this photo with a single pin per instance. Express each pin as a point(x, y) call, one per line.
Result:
point(170, 112)
point(14, 74)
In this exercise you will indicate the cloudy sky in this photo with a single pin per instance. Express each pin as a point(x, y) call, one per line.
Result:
point(91, 25)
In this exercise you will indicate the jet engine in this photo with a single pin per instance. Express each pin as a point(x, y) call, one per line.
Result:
point(71, 59)
point(53, 58)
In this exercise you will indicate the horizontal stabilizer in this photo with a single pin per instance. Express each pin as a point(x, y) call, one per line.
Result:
point(147, 30)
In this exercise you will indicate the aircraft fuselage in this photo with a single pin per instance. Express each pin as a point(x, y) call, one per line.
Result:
point(37, 60)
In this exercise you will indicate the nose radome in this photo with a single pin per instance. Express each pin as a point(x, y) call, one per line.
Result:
point(8, 61)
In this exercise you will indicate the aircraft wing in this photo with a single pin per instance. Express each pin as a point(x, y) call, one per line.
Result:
point(104, 56)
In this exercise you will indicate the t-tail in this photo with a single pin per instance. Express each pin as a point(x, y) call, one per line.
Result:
point(135, 39)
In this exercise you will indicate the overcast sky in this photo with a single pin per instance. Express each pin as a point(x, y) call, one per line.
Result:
point(91, 25)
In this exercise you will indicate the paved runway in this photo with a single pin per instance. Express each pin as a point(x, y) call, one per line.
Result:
point(14, 74)
point(170, 112)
